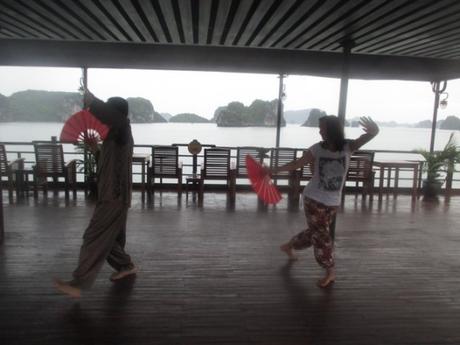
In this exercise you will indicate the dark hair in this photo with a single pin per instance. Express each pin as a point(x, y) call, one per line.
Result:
point(119, 104)
point(334, 131)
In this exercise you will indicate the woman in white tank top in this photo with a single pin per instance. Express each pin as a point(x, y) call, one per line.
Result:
point(329, 159)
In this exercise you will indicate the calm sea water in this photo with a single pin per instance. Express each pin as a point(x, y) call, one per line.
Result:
point(402, 139)
point(397, 138)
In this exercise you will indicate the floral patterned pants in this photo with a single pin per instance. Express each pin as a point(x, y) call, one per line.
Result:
point(319, 219)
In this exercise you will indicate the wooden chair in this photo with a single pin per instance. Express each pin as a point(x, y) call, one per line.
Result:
point(258, 153)
point(216, 166)
point(8, 168)
point(279, 157)
point(360, 171)
point(165, 164)
point(49, 163)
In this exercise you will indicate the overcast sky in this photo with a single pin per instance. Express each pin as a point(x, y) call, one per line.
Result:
point(202, 92)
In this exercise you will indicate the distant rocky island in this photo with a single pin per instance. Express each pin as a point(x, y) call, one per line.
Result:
point(188, 118)
point(56, 106)
point(260, 113)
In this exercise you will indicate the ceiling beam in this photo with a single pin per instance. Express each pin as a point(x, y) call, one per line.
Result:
point(226, 59)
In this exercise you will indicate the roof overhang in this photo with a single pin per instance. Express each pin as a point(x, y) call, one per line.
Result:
point(229, 59)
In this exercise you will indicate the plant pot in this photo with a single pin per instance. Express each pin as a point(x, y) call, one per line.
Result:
point(431, 189)
point(91, 185)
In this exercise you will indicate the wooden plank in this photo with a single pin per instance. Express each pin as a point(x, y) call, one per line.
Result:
point(328, 20)
point(204, 22)
point(105, 19)
point(401, 12)
point(185, 10)
point(341, 27)
point(359, 22)
point(226, 282)
point(314, 16)
point(54, 19)
point(427, 45)
point(425, 20)
point(138, 21)
point(283, 12)
point(221, 18)
point(88, 19)
point(419, 37)
point(68, 18)
point(237, 22)
point(18, 12)
point(113, 10)
point(254, 21)
point(168, 14)
point(20, 28)
point(154, 21)
point(290, 22)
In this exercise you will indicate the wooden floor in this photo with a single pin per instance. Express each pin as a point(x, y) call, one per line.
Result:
point(214, 275)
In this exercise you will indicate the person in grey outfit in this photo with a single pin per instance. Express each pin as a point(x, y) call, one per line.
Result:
point(105, 237)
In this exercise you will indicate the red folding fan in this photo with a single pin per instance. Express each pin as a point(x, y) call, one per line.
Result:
point(261, 182)
point(83, 127)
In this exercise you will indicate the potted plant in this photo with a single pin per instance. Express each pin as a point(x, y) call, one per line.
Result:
point(438, 165)
point(88, 165)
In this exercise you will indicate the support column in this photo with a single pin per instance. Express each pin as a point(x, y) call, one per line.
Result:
point(437, 89)
point(347, 46)
point(84, 78)
point(2, 230)
point(280, 109)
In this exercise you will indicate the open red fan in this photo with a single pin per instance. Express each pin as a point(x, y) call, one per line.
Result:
point(83, 127)
point(261, 182)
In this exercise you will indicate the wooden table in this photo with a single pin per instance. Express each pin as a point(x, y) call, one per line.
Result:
point(397, 165)
point(143, 159)
point(196, 181)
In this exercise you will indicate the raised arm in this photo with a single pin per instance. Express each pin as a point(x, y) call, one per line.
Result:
point(104, 112)
point(371, 130)
point(306, 158)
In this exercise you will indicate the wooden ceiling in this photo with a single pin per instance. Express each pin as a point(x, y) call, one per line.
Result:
point(410, 39)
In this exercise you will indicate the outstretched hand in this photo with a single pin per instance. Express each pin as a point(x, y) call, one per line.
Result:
point(369, 126)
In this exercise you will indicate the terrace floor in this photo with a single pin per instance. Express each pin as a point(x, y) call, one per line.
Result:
point(215, 275)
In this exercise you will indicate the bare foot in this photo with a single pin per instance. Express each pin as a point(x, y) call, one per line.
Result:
point(123, 273)
point(328, 280)
point(289, 251)
point(66, 288)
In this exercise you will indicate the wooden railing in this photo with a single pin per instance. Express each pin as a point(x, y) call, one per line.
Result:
point(191, 163)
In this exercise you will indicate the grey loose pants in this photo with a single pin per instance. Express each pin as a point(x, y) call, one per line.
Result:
point(104, 239)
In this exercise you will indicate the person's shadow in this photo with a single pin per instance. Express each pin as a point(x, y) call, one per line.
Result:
point(312, 308)
point(105, 324)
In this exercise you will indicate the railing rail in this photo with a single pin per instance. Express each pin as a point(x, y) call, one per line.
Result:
point(25, 150)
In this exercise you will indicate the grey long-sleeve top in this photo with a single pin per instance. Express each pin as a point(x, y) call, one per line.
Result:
point(114, 171)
